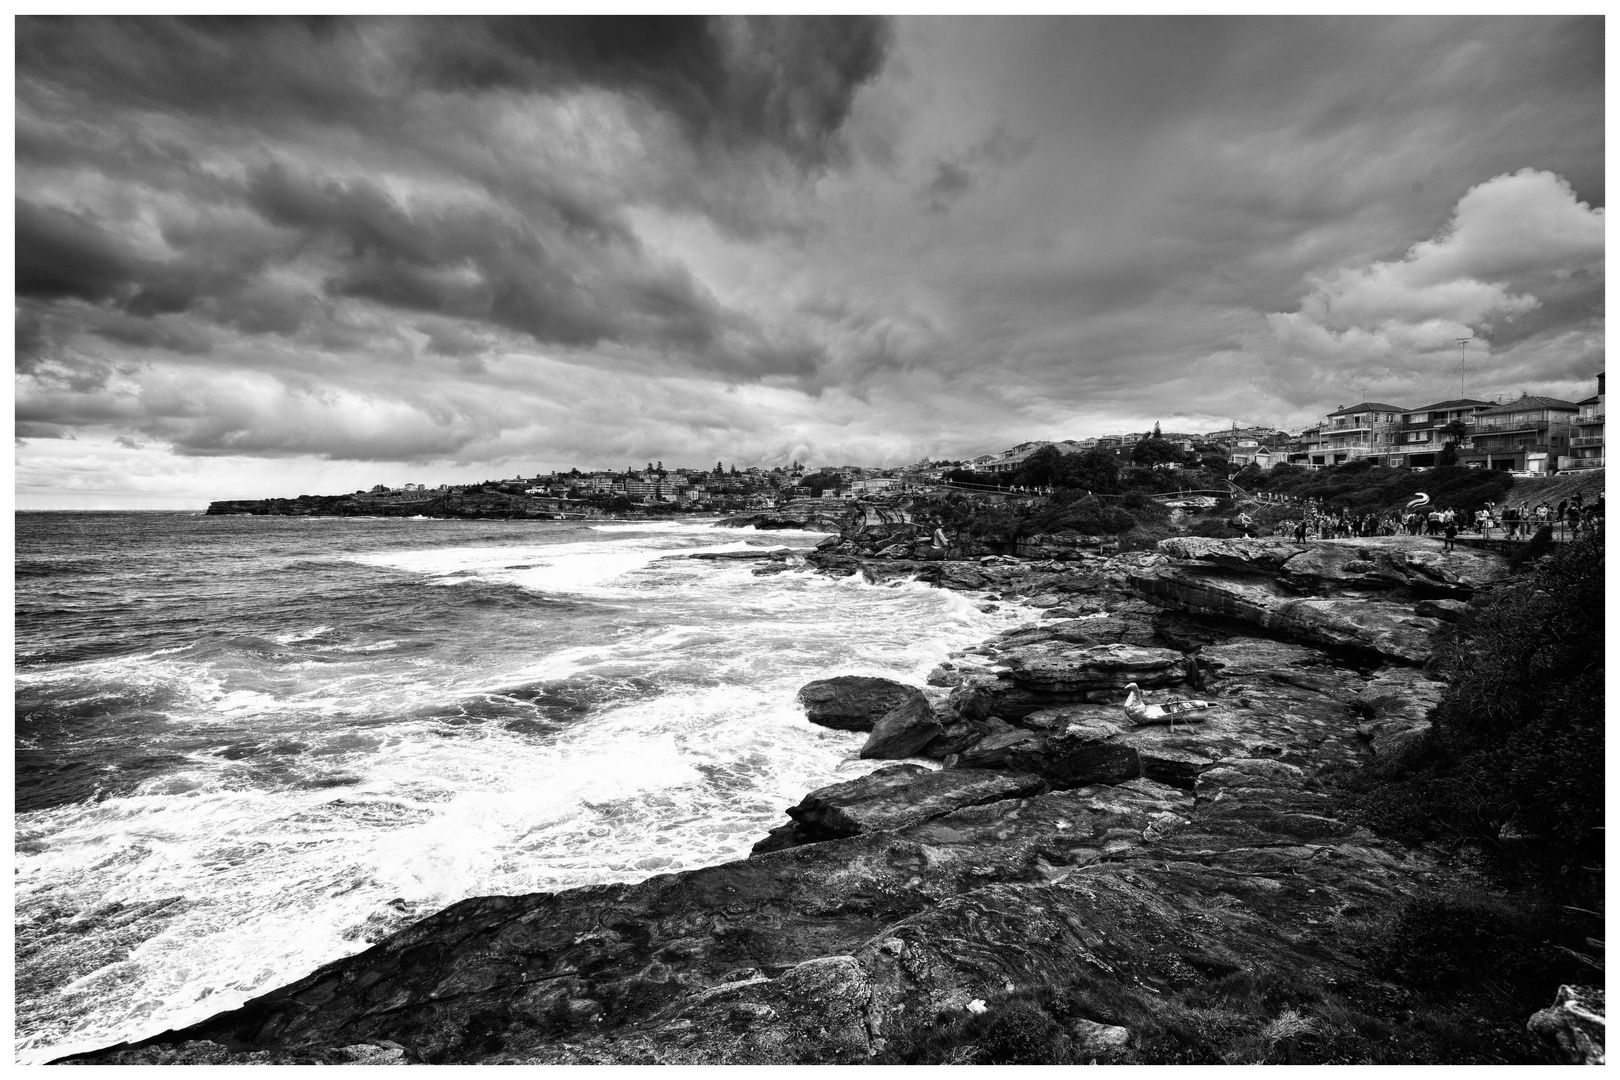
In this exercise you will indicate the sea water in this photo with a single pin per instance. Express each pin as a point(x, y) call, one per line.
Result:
point(246, 747)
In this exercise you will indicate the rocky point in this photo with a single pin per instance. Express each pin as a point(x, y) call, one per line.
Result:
point(1031, 835)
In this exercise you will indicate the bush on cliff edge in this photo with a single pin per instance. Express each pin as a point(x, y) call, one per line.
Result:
point(1515, 761)
point(1524, 701)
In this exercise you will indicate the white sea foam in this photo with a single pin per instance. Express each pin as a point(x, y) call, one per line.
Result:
point(671, 526)
point(235, 874)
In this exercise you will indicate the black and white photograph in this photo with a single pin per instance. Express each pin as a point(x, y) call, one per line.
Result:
point(771, 540)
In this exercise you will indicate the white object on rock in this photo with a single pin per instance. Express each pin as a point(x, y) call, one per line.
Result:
point(977, 1006)
point(1140, 712)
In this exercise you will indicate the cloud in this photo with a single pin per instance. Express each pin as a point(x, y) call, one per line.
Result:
point(495, 206)
point(973, 168)
point(1511, 242)
point(783, 82)
point(461, 242)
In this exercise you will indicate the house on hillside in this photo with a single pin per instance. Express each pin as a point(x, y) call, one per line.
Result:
point(1422, 433)
point(1301, 449)
point(1363, 430)
point(1527, 435)
point(1586, 434)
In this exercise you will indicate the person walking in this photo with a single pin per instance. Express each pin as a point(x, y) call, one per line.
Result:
point(1451, 536)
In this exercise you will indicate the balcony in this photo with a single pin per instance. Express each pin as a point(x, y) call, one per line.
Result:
point(1586, 440)
point(1567, 463)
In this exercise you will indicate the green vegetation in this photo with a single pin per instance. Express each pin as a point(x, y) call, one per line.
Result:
point(1514, 765)
point(1361, 486)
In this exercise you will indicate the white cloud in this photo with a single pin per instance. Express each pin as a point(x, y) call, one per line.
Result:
point(1514, 244)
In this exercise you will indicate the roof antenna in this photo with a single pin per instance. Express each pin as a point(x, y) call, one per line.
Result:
point(1463, 385)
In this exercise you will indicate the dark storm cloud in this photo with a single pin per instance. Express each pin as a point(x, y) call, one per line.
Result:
point(786, 82)
point(415, 239)
point(61, 255)
point(492, 239)
point(789, 82)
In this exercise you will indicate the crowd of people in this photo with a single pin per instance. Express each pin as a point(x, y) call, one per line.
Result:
point(1514, 522)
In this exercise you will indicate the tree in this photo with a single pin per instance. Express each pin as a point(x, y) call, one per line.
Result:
point(1154, 452)
point(1453, 434)
point(1040, 469)
point(1094, 470)
point(1156, 434)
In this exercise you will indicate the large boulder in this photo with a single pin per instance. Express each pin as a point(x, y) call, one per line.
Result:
point(1334, 566)
point(904, 731)
point(1397, 703)
point(1572, 1029)
point(1265, 556)
point(852, 702)
point(1038, 676)
point(892, 798)
point(1385, 626)
point(1057, 667)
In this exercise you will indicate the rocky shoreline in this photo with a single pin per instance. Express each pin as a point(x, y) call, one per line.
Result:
point(1030, 835)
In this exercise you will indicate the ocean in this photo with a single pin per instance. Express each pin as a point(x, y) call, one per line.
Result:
point(246, 747)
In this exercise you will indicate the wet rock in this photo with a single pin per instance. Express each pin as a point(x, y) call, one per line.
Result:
point(1446, 610)
point(1384, 626)
point(1059, 668)
point(852, 702)
point(1572, 1029)
point(991, 751)
point(1397, 703)
point(733, 556)
point(1265, 556)
point(901, 795)
point(903, 731)
point(1068, 761)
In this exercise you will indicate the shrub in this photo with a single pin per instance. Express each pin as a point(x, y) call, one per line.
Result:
point(1085, 514)
point(1216, 528)
point(1524, 701)
point(1518, 733)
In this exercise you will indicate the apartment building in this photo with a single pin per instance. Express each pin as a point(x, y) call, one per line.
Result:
point(1422, 433)
point(1527, 435)
point(1586, 433)
point(1367, 429)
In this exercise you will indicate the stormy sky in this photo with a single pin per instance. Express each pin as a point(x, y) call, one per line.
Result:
point(262, 257)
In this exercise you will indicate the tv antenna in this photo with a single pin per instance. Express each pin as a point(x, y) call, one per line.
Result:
point(1462, 385)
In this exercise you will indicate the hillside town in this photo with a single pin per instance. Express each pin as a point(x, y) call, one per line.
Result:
point(1531, 436)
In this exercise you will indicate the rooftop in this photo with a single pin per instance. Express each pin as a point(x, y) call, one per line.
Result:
point(1529, 402)
point(1455, 403)
point(1370, 406)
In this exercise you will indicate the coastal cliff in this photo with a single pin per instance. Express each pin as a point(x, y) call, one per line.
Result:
point(1040, 875)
